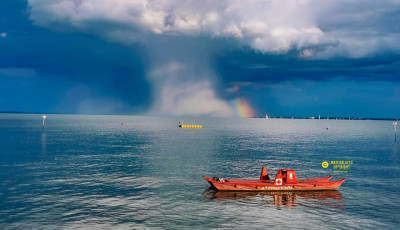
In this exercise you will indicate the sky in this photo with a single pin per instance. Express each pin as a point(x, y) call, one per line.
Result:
point(220, 58)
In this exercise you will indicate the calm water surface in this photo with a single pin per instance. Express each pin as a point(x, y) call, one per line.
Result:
point(91, 172)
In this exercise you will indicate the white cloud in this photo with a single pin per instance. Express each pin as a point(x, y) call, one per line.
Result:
point(306, 53)
point(267, 26)
point(3, 35)
point(273, 26)
point(191, 99)
point(179, 90)
point(167, 69)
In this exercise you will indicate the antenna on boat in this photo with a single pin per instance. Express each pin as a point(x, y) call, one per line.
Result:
point(395, 131)
point(44, 118)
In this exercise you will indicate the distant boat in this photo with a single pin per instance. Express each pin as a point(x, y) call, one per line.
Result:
point(266, 116)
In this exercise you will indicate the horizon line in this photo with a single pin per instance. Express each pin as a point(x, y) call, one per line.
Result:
point(272, 117)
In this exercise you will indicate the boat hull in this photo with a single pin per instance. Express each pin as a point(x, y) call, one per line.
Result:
point(315, 184)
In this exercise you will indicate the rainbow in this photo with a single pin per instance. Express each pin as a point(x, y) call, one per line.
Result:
point(242, 108)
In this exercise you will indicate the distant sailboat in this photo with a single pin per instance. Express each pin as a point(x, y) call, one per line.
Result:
point(266, 116)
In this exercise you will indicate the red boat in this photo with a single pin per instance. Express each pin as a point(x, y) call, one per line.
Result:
point(285, 180)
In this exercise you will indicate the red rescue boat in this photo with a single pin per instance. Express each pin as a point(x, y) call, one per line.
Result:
point(285, 180)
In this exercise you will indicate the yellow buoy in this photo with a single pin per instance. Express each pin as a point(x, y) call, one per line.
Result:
point(191, 126)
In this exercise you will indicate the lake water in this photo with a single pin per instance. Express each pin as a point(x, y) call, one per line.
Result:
point(91, 172)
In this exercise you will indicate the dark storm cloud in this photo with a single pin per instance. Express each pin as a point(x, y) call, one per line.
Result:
point(248, 66)
point(165, 56)
point(363, 28)
point(109, 69)
point(313, 40)
point(114, 71)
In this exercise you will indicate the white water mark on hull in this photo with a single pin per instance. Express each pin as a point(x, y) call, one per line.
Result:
point(278, 188)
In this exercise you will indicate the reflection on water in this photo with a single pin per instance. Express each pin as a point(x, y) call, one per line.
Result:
point(395, 153)
point(288, 199)
point(44, 149)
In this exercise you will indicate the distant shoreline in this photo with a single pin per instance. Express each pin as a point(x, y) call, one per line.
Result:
point(305, 118)
point(335, 118)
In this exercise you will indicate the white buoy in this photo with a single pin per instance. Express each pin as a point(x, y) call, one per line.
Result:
point(44, 118)
point(395, 124)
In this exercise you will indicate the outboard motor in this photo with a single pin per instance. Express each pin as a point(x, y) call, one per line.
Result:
point(264, 174)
